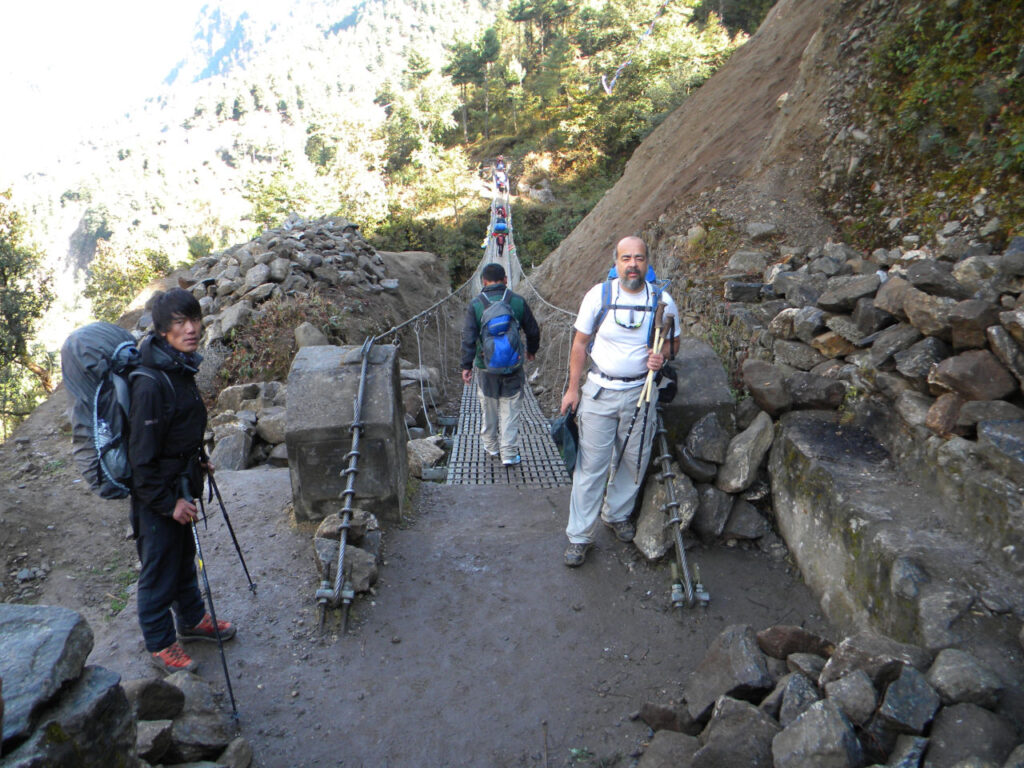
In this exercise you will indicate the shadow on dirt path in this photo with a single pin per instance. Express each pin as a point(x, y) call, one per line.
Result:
point(479, 648)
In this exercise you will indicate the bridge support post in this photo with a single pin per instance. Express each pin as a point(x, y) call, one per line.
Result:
point(322, 387)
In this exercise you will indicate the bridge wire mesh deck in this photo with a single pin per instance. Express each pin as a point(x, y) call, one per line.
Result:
point(469, 463)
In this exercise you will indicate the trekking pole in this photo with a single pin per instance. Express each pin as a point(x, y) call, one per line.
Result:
point(660, 334)
point(214, 490)
point(648, 382)
point(186, 494)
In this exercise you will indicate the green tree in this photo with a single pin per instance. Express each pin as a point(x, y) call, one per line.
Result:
point(116, 276)
point(25, 293)
point(464, 69)
point(273, 196)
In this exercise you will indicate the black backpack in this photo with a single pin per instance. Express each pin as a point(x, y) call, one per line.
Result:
point(98, 362)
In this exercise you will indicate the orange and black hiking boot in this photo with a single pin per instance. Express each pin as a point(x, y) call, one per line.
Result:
point(204, 630)
point(173, 659)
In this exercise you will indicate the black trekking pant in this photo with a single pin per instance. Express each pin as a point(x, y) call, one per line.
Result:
point(168, 579)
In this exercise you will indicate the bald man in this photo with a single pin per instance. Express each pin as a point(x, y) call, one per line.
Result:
point(607, 402)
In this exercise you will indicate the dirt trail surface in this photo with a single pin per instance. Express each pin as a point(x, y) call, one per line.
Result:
point(478, 641)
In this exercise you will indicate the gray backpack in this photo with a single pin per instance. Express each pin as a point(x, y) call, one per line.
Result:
point(98, 362)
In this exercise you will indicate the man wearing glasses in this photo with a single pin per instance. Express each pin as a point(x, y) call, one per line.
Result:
point(607, 403)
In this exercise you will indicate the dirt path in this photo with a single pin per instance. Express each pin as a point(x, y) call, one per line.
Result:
point(478, 642)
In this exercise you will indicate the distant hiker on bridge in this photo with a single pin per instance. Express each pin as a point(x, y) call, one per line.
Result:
point(168, 421)
point(491, 339)
point(499, 164)
point(618, 332)
point(501, 181)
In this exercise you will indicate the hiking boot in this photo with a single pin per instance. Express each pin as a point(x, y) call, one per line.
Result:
point(512, 461)
point(623, 529)
point(575, 554)
point(204, 630)
point(173, 659)
point(492, 454)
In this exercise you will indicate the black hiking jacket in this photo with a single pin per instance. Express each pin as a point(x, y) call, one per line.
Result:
point(166, 429)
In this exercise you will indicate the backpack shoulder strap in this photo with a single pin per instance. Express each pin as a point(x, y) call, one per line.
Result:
point(602, 313)
point(658, 289)
point(162, 380)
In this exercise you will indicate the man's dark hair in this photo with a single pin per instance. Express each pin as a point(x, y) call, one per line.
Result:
point(493, 273)
point(176, 301)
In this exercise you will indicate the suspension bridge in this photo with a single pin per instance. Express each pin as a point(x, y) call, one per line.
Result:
point(438, 329)
point(468, 463)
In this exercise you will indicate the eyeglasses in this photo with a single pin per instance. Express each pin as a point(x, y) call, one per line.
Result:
point(633, 322)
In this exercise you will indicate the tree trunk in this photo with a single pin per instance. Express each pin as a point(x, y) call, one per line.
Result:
point(487, 101)
point(45, 380)
point(465, 129)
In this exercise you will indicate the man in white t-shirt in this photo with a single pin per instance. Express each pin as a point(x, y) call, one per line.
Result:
point(608, 400)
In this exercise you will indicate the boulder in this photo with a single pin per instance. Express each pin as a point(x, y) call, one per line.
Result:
point(959, 678)
point(653, 538)
point(975, 374)
point(712, 513)
point(424, 453)
point(782, 640)
point(965, 731)
point(734, 666)
point(270, 425)
point(854, 695)
point(308, 335)
point(669, 749)
point(767, 386)
point(909, 703)
point(709, 439)
point(41, 649)
point(90, 724)
point(738, 734)
point(746, 452)
point(842, 293)
point(821, 737)
point(232, 451)
point(876, 655)
point(153, 698)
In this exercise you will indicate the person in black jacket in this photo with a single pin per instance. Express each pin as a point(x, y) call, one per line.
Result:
point(167, 424)
point(500, 394)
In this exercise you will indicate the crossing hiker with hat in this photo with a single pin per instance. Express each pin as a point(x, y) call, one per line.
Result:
point(616, 324)
point(492, 343)
point(167, 423)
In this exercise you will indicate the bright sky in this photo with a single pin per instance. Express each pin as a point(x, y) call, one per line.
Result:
point(66, 64)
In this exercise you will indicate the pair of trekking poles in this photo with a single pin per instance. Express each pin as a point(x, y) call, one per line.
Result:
point(215, 491)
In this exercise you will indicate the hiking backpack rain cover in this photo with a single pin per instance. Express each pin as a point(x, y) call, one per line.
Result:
point(96, 362)
point(500, 342)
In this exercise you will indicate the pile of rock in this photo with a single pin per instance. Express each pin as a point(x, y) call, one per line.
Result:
point(938, 335)
point(719, 462)
point(287, 261)
point(785, 697)
point(181, 721)
point(59, 713)
point(248, 426)
point(56, 711)
point(362, 549)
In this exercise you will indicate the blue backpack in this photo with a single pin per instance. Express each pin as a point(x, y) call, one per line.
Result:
point(98, 362)
point(501, 344)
